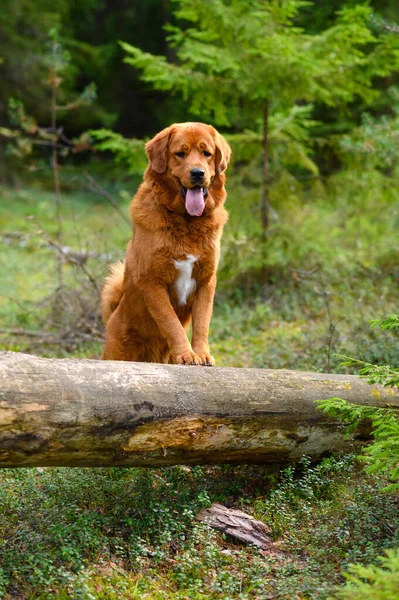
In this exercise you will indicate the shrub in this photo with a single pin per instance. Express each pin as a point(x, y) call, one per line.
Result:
point(373, 582)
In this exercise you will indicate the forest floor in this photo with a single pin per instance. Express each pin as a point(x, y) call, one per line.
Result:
point(132, 533)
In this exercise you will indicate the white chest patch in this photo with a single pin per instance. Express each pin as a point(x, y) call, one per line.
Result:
point(185, 284)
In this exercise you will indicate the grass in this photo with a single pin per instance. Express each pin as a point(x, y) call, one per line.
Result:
point(329, 266)
point(88, 225)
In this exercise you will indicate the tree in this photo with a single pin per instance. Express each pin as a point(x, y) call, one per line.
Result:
point(28, 133)
point(89, 30)
point(24, 31)
point(245, 64)
point(24, 28)
point(374, 144)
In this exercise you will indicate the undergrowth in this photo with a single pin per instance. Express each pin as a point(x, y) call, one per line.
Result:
point(374, 582)
point(132, 533)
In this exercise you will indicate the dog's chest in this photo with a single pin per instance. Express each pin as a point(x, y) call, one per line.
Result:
point(185, 283)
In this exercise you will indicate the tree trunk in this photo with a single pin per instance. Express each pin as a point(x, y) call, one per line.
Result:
point(265, 205)
point(55, 82)
point(99, 413)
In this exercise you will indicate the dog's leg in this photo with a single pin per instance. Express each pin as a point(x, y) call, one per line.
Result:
point(118, 346)
point(201, 315)
point(157, 300)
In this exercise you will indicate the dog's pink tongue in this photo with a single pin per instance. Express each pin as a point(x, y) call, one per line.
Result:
point(195, 202)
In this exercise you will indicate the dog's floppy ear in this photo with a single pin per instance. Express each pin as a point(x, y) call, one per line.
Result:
point(157, 150)
point(223, 152)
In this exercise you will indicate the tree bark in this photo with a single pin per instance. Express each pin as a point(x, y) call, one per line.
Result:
point(55, 81)
point(98, 413)
point(238, 525)
point(265, 173)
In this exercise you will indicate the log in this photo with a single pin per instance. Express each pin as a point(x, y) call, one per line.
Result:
point(70, 412)
point(238, 525)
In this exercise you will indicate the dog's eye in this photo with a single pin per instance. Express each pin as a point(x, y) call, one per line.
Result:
point(181, 154)
point(206, 153)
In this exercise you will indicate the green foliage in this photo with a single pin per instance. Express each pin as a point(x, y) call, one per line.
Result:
point(250, 67)
point(245, 55)
point(132, 533)
point(383, 454)
point(336, 224)
point(65, 519)
point(28, 134)
point(291, 144)
point(322, 514)
point(298, 491)
point(90, 32)
point(373, 582)
point(388, 324)
point(127, 151)
point(382, 374)
point(24, 45)
point(24, 30)
point(375, 142)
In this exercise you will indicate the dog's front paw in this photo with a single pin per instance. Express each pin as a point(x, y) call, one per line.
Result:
point(188, 358)
point(207, 359)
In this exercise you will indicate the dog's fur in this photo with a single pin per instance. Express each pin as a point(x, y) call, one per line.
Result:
point(169, 275)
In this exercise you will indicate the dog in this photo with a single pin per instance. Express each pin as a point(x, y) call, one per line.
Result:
point(168, 279)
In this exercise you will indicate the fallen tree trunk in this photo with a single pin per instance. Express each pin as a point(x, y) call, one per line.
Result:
point(99, 413)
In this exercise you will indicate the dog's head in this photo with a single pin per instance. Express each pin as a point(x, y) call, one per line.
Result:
point(191, 155)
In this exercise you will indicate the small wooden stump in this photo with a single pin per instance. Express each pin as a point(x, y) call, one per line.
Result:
point(237, 524)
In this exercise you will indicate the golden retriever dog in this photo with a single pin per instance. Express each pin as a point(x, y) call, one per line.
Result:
point(168, 279)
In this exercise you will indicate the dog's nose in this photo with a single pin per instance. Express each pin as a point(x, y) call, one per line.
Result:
point(197, 174)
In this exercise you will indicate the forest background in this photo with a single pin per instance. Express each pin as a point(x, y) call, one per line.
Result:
point(307, 95)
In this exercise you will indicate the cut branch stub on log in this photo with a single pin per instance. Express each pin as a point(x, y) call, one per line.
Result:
point(102, 413)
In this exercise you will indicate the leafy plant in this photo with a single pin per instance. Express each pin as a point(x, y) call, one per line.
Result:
point(328, 516)
point(383, 454)
point(375, 141)
point(371, 581)
point(128, 151)
point(132, 533)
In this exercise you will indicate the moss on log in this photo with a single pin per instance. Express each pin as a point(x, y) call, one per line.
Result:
point(98, 413)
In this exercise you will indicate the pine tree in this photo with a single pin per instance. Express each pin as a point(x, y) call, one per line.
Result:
point(246, 65)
